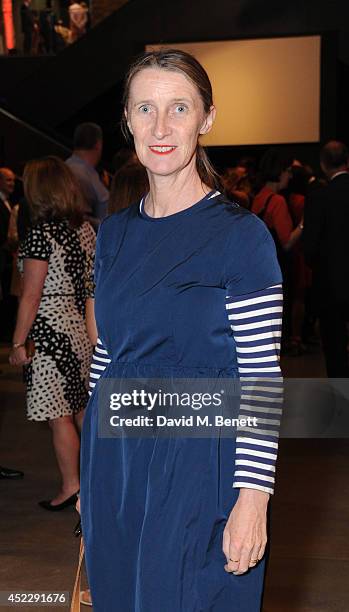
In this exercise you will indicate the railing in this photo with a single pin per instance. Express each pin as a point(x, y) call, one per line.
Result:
point(20, 142)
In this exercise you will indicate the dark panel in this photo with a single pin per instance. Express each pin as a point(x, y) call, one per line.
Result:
point(99, 60)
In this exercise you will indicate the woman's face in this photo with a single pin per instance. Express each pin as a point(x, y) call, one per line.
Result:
point(165, 115)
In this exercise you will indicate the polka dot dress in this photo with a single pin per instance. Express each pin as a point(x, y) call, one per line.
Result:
point(58, 374)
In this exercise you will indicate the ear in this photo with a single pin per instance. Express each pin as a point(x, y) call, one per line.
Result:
point(128, 121)
point(208, 121)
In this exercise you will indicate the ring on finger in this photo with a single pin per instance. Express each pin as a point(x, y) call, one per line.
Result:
point(234, 560)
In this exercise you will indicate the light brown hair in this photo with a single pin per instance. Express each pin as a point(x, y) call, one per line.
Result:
point(52, 191)
point(129, 184)
point(176, 60)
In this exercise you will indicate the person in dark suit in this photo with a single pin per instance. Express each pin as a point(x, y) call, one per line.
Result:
point(7, 184)
point(27, 21)
point(326, 248)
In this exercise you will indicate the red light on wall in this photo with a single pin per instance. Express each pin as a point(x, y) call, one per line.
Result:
point(10, 40)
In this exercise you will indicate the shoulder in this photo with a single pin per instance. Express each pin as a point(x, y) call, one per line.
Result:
point(338, 185)
point(113, 227)
point(71, 161)
point(87, 235)
point(241, 224)
point(278, 200)
point(118, 219)
point(38, 241)
point(42, 230)
point(249, 256)
point(87, 229)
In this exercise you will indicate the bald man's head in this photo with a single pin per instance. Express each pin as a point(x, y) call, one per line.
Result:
point(7, 181)
point(334, 157)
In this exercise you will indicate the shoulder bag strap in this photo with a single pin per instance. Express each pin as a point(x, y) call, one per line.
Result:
point(75, 600)
point(264, 209)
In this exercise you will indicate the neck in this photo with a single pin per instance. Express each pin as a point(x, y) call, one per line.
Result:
point(273, 186)
point(88, 156)
point(171, 194)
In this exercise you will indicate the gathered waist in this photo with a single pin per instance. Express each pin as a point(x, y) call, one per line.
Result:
point(140, 369)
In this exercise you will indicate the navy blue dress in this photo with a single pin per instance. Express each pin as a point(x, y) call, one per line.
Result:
point(154, 509)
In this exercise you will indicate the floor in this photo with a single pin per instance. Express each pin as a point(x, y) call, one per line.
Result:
point(309, 558)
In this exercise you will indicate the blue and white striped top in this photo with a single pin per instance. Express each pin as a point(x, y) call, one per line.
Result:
point(255, 320)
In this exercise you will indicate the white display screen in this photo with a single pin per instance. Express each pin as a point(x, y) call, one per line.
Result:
point(266, 91)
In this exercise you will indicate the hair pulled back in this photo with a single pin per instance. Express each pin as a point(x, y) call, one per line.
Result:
point(176, 60)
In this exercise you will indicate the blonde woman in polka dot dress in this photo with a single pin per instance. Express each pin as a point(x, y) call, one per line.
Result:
point(56, 259)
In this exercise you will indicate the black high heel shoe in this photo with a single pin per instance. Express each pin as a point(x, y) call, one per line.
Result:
point(70, 501)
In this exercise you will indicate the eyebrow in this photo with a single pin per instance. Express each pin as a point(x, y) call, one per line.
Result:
point(174, 101)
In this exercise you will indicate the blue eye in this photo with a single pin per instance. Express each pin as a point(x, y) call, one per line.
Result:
point(181, 108)
point(144, 109)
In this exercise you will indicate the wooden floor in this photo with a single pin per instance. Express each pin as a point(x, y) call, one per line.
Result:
point(309, 558)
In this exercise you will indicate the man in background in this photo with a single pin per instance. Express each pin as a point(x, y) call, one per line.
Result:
point(88, 145)
point(8, 303)
point(7, 185)
point(27, 22)
point(326, 248)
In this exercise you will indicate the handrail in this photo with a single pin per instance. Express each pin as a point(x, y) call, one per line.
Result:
point(35, 130)
point(20, 141)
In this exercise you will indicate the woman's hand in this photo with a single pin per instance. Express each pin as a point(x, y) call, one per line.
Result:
point(245, 534)
point(18, 357)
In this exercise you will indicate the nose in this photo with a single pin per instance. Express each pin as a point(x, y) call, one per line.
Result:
point(161, 127)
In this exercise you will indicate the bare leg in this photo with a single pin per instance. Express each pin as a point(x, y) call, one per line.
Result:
point(78, 419)
point(67, 446)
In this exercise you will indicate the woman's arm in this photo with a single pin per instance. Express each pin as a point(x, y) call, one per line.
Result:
point(282, 223)
point(100, 360)
point(91, 321)
point(34, 274)
point(256, 321)
point(294, 236)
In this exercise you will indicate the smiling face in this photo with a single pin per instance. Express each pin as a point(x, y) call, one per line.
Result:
point(165, 114)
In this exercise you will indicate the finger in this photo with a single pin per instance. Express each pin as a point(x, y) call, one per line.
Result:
point(233, 558)
point(226, 544)
point(244, 563)
point(232, 566)
point(255, 555)
point(262, 550)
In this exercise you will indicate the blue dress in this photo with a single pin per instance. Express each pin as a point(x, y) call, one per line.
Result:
point(154, 509)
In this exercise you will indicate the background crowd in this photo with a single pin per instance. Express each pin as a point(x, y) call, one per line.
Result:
point(45, 32)
point(48, 223)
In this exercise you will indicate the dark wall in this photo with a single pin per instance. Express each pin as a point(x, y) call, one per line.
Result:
point(98, 61)
point(84, 82)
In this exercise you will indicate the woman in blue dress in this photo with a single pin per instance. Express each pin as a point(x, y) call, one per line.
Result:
point(187, 287)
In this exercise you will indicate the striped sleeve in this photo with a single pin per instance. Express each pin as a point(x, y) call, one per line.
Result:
point(256, 322)
point(100, 360)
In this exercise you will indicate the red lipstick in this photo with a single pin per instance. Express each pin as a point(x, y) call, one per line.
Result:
point(162, 149)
